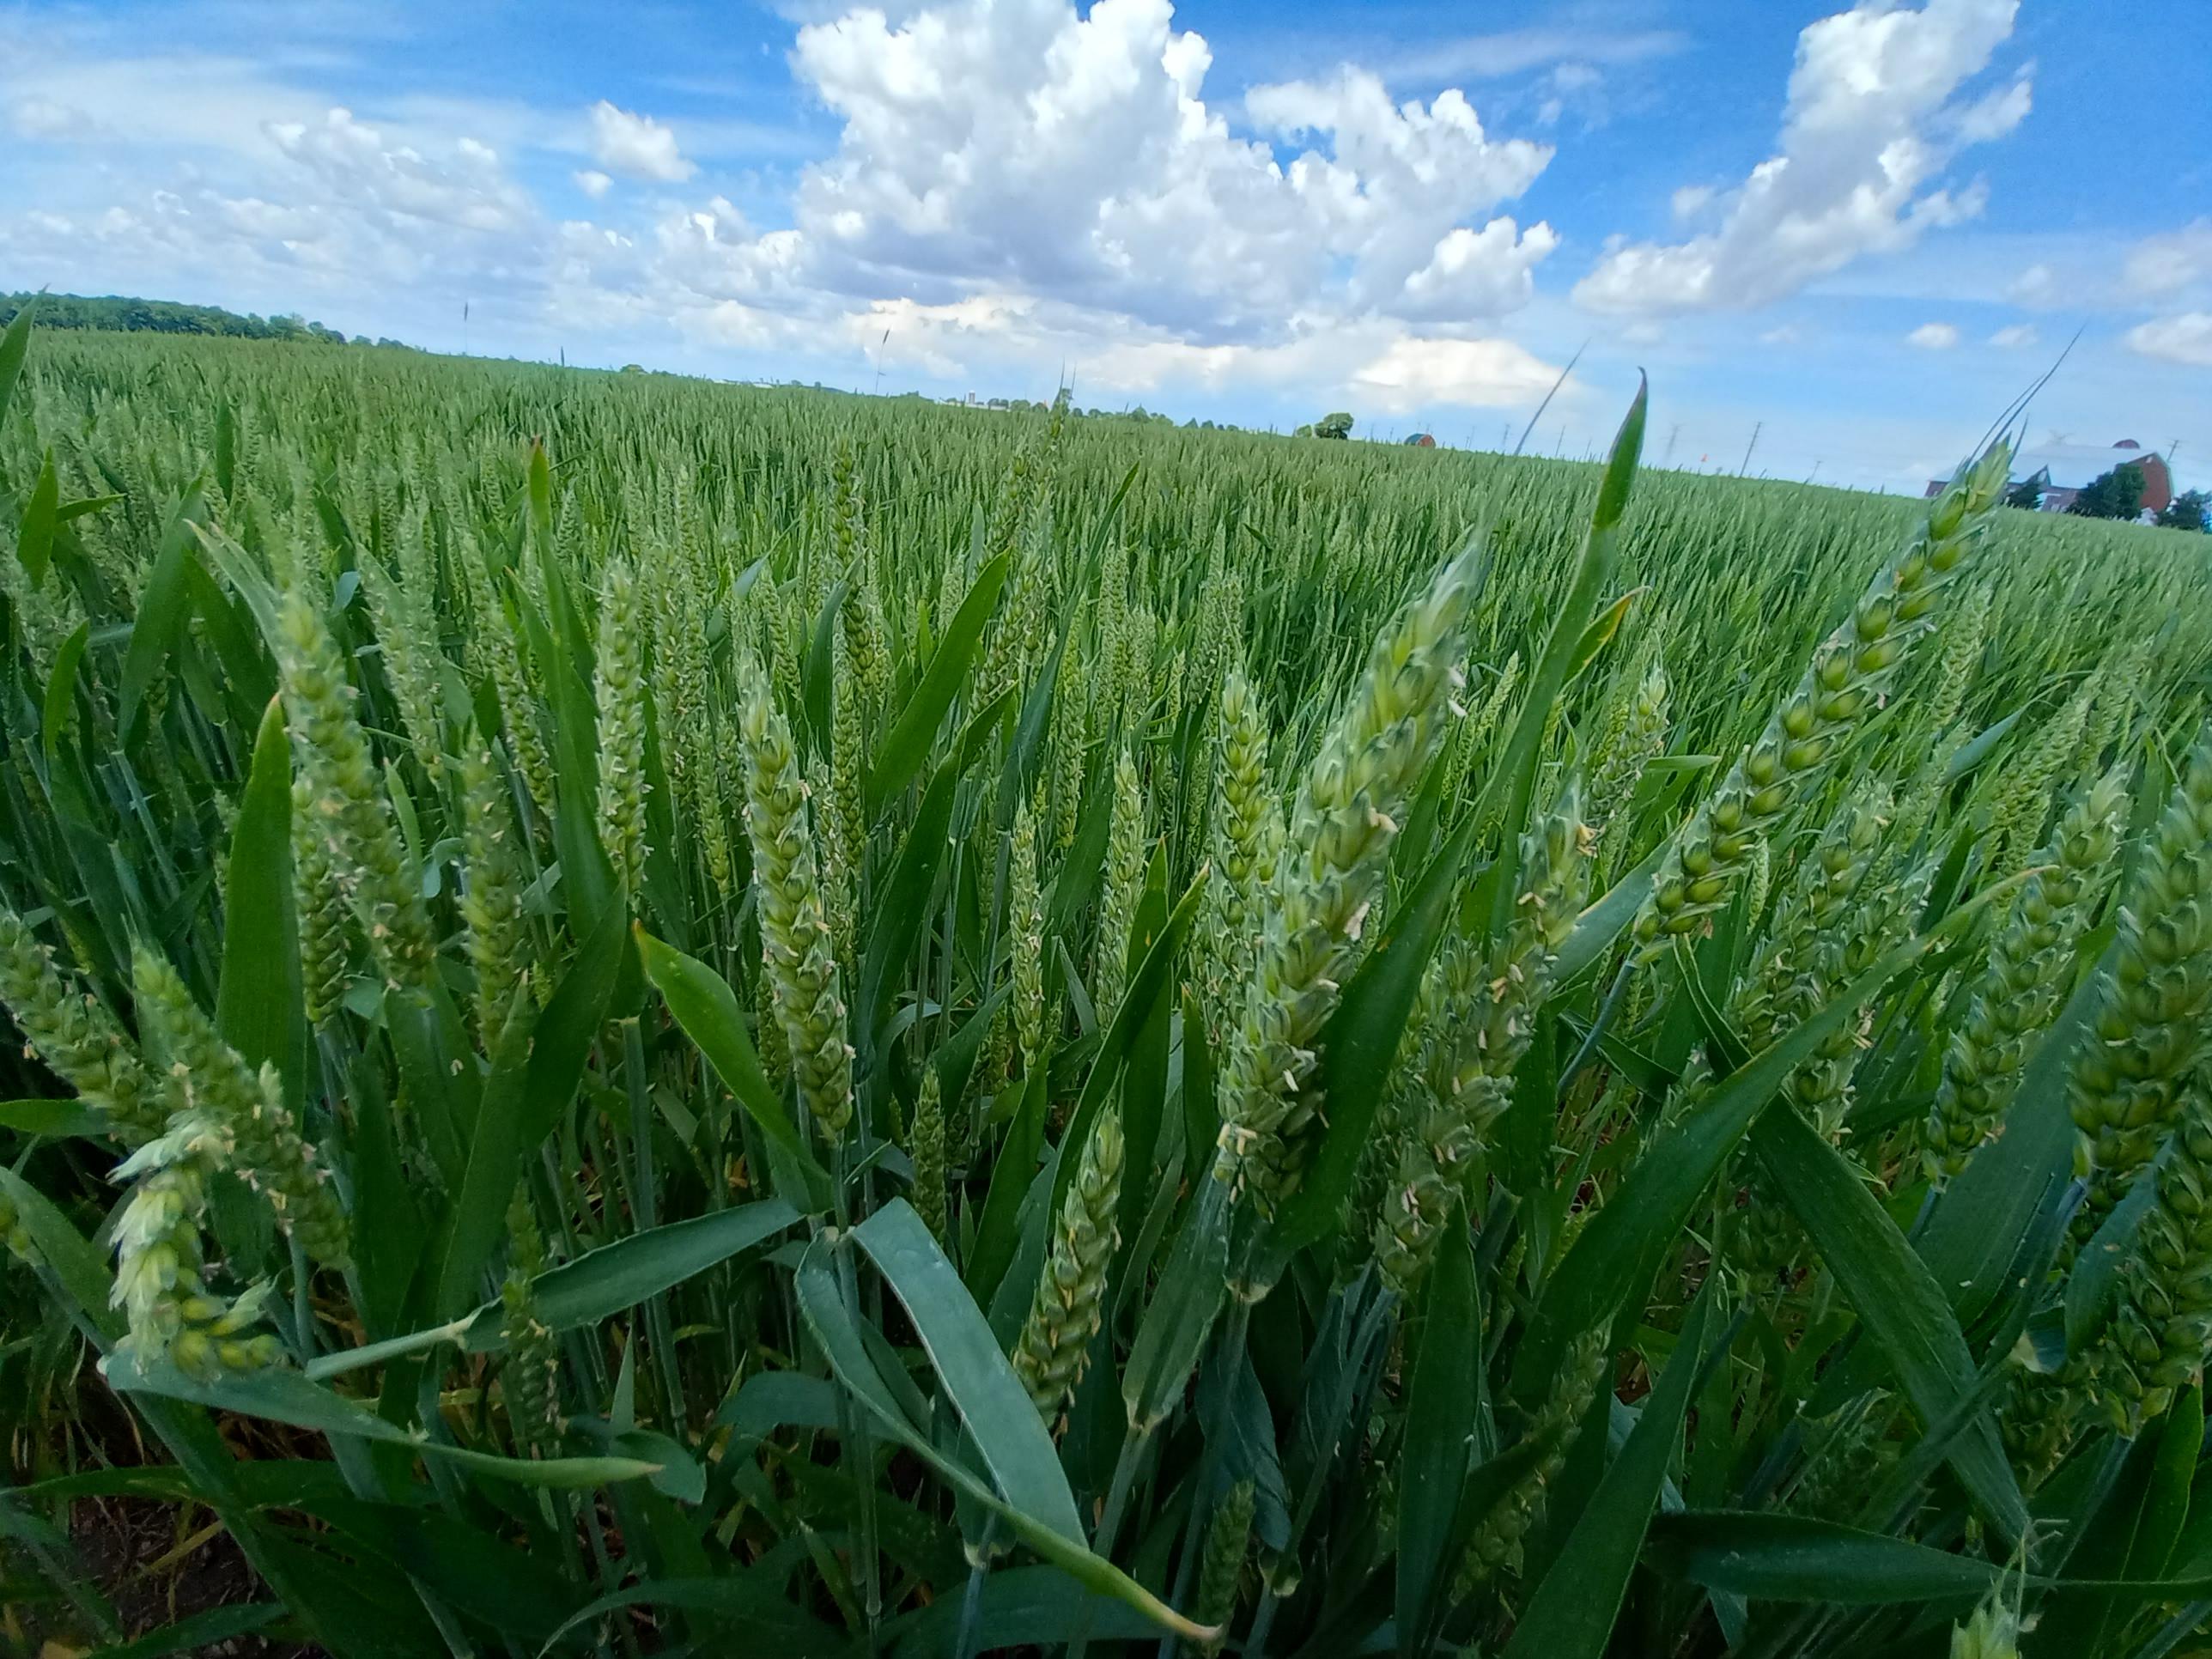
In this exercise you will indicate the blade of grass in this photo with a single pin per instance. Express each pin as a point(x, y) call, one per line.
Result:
point(978, 1380)
point(1513, 781)
point(284, 1396)
point(1896, 1299)
point(1572, 1612)
point(905, 747)
point(259, 1008)
point(834, 1326)
point(1437, 1449)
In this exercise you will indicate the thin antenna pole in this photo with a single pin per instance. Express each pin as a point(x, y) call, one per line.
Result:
point(1749, 447)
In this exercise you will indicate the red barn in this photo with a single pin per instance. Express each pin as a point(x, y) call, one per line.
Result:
point(2065, 470)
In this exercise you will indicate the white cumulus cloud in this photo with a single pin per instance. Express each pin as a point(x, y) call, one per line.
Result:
point(1413, 374)
point(636, 145)
point(2179, 259)
point(358, 168)
point(1934, 336)
point(1022, 144)
point(2036, 286)
point(1873, 118)
point(2013, 335)
point(1396, 180)
point(2185, 338)
point(1691, 200)
point(1476, 273)
point(1012, 183)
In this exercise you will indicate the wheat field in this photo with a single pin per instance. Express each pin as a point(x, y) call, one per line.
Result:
point(654, 1014)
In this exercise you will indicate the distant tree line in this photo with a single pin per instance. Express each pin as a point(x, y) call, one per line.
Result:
point(1031, 406)
point(119, 314)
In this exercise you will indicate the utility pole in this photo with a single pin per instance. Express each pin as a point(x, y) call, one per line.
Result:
point(1673, 433)
point(1749, 447)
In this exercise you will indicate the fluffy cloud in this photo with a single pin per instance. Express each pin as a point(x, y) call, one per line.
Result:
point(1414, 373)
point(636, 145)
point(2013, 335)
point(1476, 273)
point(1993, 117)
point(1372, 364)
point(2168, 264)
point(339, 204)
point(1873, 118)
point(2175, 271)
point(711, 253)
point(1013, 182)
point(1397, 179)
point(1934, 336)
point(2036, 286)
point(1002, 336)
point(1691, 200)
point(2187, 338)
point(359, 170)
point(1019, 144)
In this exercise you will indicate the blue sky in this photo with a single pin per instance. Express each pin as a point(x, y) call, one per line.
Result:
point(1861, 231)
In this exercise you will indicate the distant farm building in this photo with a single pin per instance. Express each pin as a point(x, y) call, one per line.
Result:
point(1421, 441)
point(2065, 470)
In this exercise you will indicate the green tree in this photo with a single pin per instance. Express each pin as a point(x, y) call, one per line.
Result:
point(2028, 492)
point(119, 312)
point(2191, 510)
point(2115, 495)
point(1335, 424)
